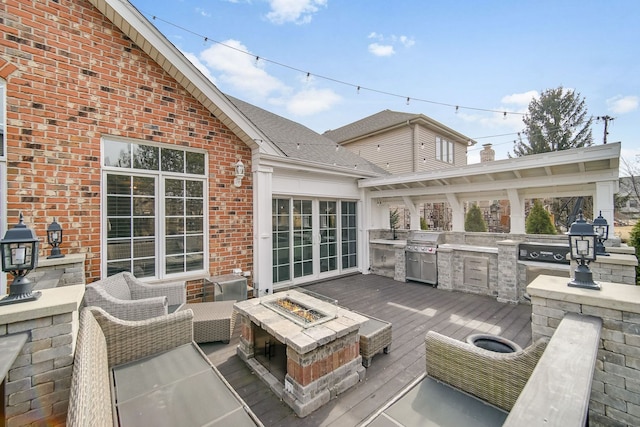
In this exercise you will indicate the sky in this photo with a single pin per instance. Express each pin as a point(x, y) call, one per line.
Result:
point(474, 66)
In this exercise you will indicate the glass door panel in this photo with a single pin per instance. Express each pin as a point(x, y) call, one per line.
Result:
point(302, 238)
point(328, 237)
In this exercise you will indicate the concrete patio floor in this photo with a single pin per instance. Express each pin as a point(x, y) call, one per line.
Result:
point(413, 308)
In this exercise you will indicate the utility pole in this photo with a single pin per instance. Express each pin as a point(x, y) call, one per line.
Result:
point(606, 119)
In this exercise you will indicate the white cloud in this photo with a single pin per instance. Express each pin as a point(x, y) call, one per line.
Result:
point(202, 12)
point(381, 50)
point(296, 11)
point(386, 45)
point(311, 101)
point(622, 104)
point(240, 70)
point(520, 98)
point(199, 65)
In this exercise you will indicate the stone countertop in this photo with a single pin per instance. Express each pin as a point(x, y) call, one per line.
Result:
point(395, 243)
point(301, 339)
point(615, 296)
point(468, 248)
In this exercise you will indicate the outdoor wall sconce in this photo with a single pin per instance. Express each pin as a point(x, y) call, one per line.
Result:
point(54, 237)
point(582, 243)
point(601, 228)
point(19, 252)
point(239, 169)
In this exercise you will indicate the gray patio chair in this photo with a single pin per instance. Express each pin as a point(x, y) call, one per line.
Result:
point(127, 298)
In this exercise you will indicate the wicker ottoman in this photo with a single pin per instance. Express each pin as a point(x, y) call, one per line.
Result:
point(212, 321)
point(375, 336)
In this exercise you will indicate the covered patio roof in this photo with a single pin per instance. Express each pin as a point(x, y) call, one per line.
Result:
point(589, 171)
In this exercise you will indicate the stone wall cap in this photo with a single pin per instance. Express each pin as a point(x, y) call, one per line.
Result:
point(615, 296)
point(469, 248)
point(67, 259)
point(618, 259)
point(53, 301)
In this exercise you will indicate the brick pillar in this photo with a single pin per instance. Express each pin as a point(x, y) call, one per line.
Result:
point(38, 383)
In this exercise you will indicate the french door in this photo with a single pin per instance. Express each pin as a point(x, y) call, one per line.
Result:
point(312, 238)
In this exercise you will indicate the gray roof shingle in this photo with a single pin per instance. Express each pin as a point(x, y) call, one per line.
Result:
point(299, 142)
point(371, 124)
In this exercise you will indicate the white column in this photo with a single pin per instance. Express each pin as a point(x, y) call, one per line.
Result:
point(414, 214)
point(457, 212)
point(262, 230)
point(517, 212)
point(603, 200)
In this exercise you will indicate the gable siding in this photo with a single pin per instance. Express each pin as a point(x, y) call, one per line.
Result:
point(79, 78)
point(395, 149)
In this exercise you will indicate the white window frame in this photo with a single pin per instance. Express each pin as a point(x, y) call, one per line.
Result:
point(160, 177)
point(444, 150)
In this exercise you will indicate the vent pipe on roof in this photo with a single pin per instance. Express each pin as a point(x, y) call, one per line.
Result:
point(487, 154)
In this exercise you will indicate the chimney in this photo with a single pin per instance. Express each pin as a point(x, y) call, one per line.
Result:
point(487, 154)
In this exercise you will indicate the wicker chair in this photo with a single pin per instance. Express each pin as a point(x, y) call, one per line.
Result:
point(496, 378)
point(127, 298)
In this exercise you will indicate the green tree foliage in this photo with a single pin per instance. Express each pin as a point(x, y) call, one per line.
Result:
point(473, 221)
point(556, 121)
point(634, 240)
point(423, 224)
point(394, 219)
point(539, 220)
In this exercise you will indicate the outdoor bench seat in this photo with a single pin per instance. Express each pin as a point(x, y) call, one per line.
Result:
point(127, 298)
point(148, 373)
point(375, 337)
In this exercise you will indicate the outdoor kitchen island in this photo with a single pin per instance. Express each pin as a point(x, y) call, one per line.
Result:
point(305, 348)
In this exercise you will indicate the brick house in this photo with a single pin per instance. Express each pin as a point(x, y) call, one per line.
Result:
point(109, 129)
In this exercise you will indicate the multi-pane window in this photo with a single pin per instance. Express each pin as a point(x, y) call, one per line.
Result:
point(312, 237)
point(302, 238)
point(349, 235)
point(444, 150)
point(281, 240)
point(154, 209)
point(328, 236)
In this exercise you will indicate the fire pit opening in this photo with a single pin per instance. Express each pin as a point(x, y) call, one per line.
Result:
point(271, 353)
point(297, 311)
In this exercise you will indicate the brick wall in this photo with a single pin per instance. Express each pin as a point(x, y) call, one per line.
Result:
point(73, 77)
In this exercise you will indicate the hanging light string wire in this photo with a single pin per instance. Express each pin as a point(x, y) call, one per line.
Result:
point(334, 80)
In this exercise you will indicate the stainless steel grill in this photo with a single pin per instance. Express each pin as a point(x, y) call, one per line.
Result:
point(421, 256)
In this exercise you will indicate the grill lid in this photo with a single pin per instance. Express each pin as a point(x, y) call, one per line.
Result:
point(426, 238)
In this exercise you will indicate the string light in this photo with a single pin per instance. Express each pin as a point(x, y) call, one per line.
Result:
point(378, 147)
point(331, 79)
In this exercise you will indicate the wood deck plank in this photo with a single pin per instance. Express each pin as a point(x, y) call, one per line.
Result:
point(413, 309)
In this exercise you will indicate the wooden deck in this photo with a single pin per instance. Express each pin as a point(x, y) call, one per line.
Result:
point(413, 308)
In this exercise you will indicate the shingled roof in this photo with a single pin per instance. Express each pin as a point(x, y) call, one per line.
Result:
point(387, 119)
point(299, 142)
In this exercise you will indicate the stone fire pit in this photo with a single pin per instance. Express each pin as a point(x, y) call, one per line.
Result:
point(304, 348)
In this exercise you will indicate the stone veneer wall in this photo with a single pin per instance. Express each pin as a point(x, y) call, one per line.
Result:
point(38, 383)
point(68, 270)
point(615, 393)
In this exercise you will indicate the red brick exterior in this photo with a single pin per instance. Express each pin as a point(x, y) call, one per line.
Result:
point(72, 77)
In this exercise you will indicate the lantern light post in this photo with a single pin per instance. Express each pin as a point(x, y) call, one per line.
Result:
point(601, 228)
point(582, 243)
point(19, 253)
point(54, 237)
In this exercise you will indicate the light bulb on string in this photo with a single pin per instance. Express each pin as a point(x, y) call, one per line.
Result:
point(337, 147)
point(408, 100)
point(358, 90)
point(457, 108)
point(298, 146)
point(378, 147)
point(504, 115)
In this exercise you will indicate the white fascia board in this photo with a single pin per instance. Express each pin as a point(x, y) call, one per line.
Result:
point(310, 166)
point(495, 186)
point(556, 158)
point(135, 25)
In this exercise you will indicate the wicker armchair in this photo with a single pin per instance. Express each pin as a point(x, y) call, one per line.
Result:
point(127, 298)
point(496, 378)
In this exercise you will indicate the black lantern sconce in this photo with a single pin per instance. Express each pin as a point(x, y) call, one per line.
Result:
point(601, 228)
point(54, 237)
point(19, 252)
point(582, 243)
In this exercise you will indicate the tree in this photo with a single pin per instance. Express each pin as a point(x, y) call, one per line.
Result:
point(394, 219)
point(539, 221)
point(473, 221)
point(634, 240)
point(554, 122)
point(423, 224)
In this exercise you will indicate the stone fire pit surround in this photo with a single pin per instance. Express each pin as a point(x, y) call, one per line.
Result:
point(322, 360)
